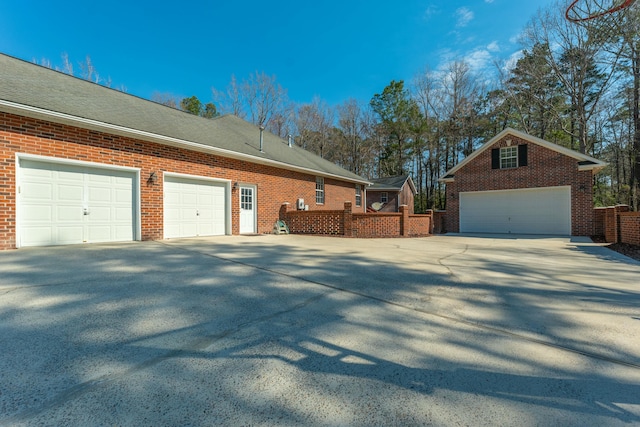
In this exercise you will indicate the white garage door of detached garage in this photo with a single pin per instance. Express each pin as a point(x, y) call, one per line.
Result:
point(194, 206)
point(524, 211)
point(61, 203)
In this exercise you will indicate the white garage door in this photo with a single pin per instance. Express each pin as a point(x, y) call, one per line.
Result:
point(193, 207)
point(526, 211)
point(62, 204)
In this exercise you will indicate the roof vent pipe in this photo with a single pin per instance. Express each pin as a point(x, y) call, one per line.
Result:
point(261, 138)
point(290, 140)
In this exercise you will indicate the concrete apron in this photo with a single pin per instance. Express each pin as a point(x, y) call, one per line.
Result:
point(287, 330)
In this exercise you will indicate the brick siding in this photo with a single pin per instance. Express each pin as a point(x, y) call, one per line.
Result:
point(546, 168)
point(617, 225)
point(630, 228)
point(37, 137)
point(377, 225)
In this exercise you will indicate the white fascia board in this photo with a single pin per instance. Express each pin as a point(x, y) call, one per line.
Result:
point(62, 118)
point(535, 140)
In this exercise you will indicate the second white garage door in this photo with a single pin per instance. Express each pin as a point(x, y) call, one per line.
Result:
point(194, 207)
point(525, 211)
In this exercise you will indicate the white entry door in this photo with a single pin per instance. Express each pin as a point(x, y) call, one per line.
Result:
point(61, 204)
point(247, 210)
point(193, 207)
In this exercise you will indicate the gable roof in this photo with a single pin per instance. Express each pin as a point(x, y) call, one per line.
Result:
point(392, 183)
point(584, 162)
point(31, 90)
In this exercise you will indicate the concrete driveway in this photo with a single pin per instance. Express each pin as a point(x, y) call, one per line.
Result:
point(292, 330)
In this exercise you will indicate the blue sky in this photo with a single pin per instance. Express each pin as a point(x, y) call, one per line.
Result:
point(331, 49)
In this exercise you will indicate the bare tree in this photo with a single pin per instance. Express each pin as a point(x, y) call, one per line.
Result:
point(314, 124)
point(88, 71)
point(354, 149)
point(578, 59)
point(67, 66)
point(231, 100)
point(264, 97)
point(168, 99)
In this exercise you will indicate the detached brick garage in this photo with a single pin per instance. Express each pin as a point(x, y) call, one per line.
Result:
point(80, 162)
point(517, 183)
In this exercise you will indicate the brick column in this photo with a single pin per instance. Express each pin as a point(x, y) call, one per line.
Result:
point(283, 210)
point(347, 220)
point(404, 220)
point(610, 225)
point(618, 210)
point(430, 212)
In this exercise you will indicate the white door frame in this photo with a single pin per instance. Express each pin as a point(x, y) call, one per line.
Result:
point(137, 230)
point(227, 196)
point(254, 190)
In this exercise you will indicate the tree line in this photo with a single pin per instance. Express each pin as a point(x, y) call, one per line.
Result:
point(576, 85)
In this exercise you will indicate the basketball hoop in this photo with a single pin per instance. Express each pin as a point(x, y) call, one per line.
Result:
point(586, 10)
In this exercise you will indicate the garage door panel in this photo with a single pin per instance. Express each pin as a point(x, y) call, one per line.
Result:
point(37, 191)
point(189, 198)
point(37, 236)
point(526, 211)
point(123, 196)
point(68, 213)
point(68, 192)
point(102, 195)
point(67, 234)
point(194, 207)
point(37, 213)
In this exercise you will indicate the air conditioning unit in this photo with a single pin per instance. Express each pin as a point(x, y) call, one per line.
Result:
point(300, 204)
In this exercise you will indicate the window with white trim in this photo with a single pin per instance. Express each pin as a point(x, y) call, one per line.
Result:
point(358, 195)
point(246, 198)
point(319, 190)
point(384, 197)
point(509, 157)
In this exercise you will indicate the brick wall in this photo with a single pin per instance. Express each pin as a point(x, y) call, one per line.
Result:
point(439, 225)
point(630, 228)
point(546, 168)
point(377, 225)
point(274, 186)
point(598, 221)
point(616, 224)
point(350, 224)
point(315, 222)
point(420, 225)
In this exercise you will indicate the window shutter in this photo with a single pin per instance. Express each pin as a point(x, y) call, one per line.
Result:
point(495, 158)
point(522, 155)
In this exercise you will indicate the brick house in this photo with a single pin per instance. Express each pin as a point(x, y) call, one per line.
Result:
point(517, 183)
point(80, 162)
point(389, 193)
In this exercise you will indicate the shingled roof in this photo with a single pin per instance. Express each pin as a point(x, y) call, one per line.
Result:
point(391, 183)
point(31, 90)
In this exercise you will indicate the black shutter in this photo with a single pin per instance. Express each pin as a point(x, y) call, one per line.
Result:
point(522, 155)
point(495, 158)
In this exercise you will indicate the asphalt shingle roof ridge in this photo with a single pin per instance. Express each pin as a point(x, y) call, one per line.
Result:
point(37, 86)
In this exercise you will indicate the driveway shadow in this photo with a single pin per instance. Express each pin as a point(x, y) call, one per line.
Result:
point(153, 333)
